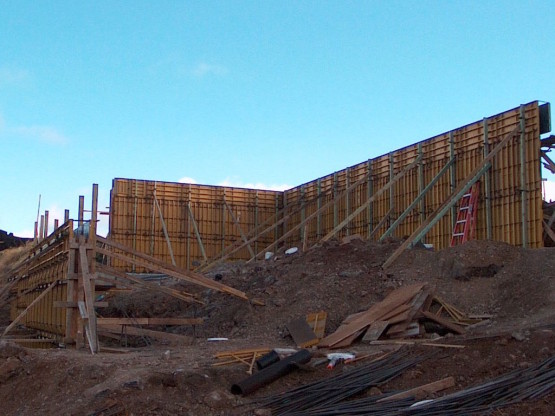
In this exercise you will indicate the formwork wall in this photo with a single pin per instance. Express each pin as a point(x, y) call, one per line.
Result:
point(505, 190)
point(221, 215)
point(467, 145)
point(46, 265)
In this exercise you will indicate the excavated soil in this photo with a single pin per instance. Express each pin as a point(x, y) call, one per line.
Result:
point(150, 377)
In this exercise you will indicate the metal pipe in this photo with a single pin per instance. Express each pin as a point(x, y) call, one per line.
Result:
point(271, 373)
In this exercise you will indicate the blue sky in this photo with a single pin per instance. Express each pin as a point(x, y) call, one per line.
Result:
point(245, 93)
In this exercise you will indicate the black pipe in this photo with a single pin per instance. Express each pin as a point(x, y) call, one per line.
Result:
point(267, 360)
point(271, 373)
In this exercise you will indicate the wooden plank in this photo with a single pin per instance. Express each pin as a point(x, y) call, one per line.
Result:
point(374, 331)
point(421, 392)
point(89, 298)
point(243, 236)
point(302, 333)
point(444, 322)
point(106, 270)
point(72, 304)
point(376, 312)
point(549, 231)
point(154, 264)
point(164, 228)
point(28, 308)
point(131, 330)
point(149, 321)
point(317, 322)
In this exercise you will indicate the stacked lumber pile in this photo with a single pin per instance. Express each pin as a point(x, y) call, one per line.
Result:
point(400, 315)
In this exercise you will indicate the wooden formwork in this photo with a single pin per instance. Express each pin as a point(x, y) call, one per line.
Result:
point(192, 222)
point(389, 195)
point(510, 202)
point(46, 266)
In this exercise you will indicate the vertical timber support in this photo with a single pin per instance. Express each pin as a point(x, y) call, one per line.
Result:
point(303, 213)
point(319, 205)
point(223, 221)
point(348, 200)
point(81, 213)
point(66, 215)
point(523, 184)
point(487, 187)
point(41, 228)
point(335, 207)
point(46, 219)
point(370, 189)
point(421, 184)
point(256, 220)
point(392, 188)
point(135, 220)
point(453, 175)
point(188, 243)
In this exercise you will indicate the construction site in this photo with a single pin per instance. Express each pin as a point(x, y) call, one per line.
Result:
point(421, 281)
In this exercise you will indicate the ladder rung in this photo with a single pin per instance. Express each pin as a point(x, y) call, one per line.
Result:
point(465, 208)
point(457, 234)
point(461, 222)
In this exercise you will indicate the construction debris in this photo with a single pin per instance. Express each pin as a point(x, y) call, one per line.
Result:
point(398, 316)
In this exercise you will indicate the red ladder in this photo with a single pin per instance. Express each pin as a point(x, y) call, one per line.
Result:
point(465, 226)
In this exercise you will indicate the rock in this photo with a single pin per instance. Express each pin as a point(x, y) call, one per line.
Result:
point(268, 255)
point(10, 368)
point(10, 349)
point(291, 250)
point(519, 336)
point(218, 400)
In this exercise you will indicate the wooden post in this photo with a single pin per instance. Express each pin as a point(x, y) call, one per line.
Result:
point(66, 215)
point(81, 213)
point(335, 208)
point(487, 183)
point(453, 172)
point(46, 219)
point(523, 179)
point(318, 206)
point(256, 219)
point(392, 188)
point(36, 234)
point(197, 233)
point(41, 230)
point(302, 230)
point(421, 184)
point(348, 200)
point(56, 224)
point(370, 191)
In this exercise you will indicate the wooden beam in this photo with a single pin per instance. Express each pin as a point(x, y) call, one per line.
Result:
point(239, 228)
point(109, 273)
point(549, 164)
point(149, 321)
point(89, 298)
point(154, 264)
point(362, 207)
point(549, 231)
point(449, 202)
point(28, 308)
point(420, 197)
point(164, 229)
point(132, 330)
point(195, 228)
point(71, 304)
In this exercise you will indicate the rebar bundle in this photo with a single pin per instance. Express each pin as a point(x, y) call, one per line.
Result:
point(327, 398)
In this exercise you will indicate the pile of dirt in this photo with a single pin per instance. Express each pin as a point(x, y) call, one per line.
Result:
point(514, 285)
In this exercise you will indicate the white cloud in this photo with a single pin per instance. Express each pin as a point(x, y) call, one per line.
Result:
point(44, 134)
point(251, 185)
point(203, 69)
point(187, 179)
point(13, 76)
